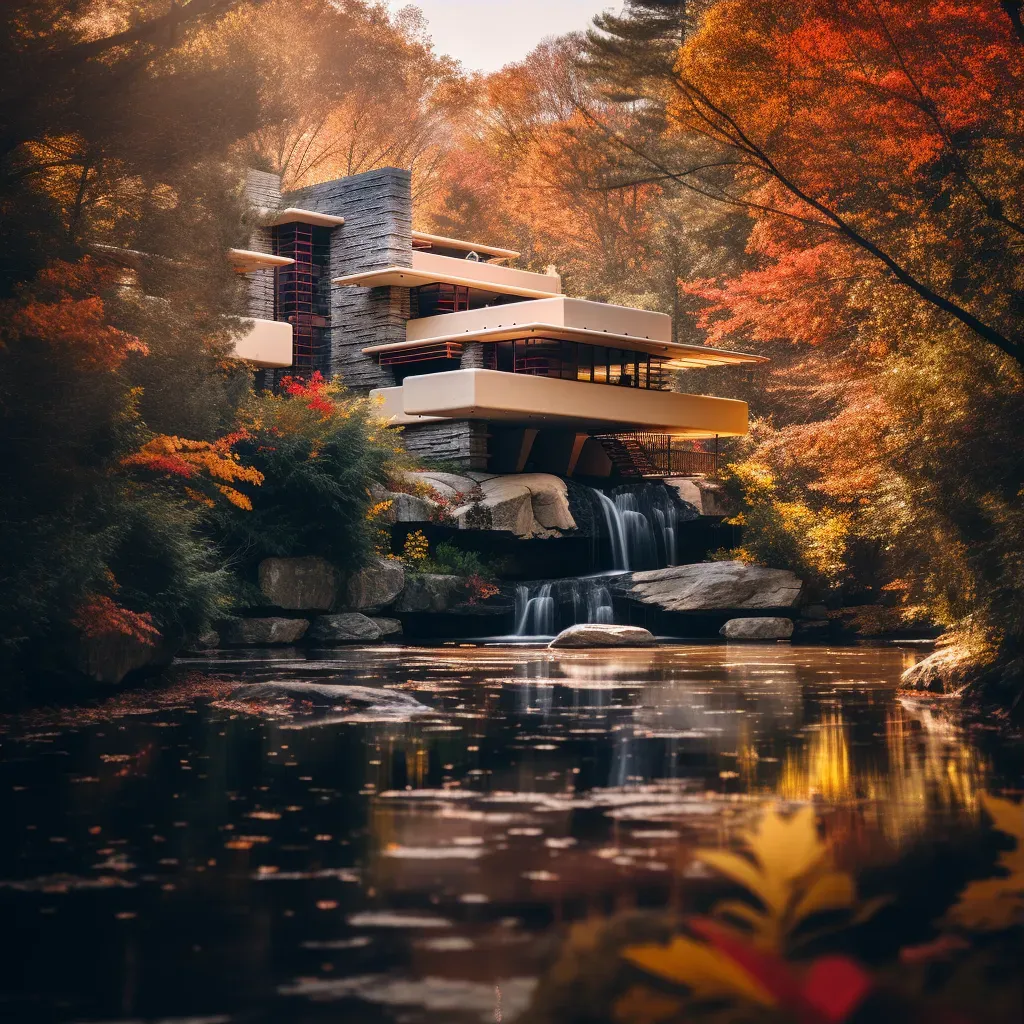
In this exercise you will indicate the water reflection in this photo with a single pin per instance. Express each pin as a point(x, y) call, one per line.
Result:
point(191, 859)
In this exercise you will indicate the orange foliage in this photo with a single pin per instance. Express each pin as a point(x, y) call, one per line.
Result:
point(100, 616)
point(530, 171)
point(902, 118)
point(197, 460)
point(64, 310)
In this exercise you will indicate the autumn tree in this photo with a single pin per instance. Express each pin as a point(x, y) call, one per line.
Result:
point(118, 202)
point(876, 149)
point(350, 87)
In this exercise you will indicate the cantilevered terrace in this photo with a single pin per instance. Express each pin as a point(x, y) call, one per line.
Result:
point(483, 364)
point(486, 343)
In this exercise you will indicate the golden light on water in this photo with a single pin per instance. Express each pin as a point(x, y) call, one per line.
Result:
point(822, 769)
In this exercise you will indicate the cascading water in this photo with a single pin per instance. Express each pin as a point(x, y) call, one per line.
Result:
point(535, 613)
point(592, 601)
point(616, 528)
point(641, 524)
point(545, 608)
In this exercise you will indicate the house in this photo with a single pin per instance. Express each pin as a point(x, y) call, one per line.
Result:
point(484, 365)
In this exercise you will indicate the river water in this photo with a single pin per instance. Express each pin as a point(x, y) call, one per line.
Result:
point(180, 855)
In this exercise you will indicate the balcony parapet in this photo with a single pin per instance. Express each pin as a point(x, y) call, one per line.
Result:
point(295, 215)
point(566, 319)
point(492, 253)
point(429, 268)
point(265, 343)
point(245, 261)
point(547, 401)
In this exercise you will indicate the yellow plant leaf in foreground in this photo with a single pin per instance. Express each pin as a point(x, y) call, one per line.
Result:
point(993, 904)
point(706, 972)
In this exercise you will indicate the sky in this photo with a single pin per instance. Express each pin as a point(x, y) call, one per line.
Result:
point(487, 34)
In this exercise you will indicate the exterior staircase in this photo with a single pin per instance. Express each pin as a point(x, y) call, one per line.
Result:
point(640, 456)
point(628, 456)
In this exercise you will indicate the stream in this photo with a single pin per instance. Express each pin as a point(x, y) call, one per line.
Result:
point(183, 855)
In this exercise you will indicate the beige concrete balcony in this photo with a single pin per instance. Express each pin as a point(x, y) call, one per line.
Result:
point(488, 278)
point(294, 215)
point(561, 312)
point(265, 343)
point(492, 253)
point(245, 261)
point(564, 319)
point(389, 404)
point(547, 401)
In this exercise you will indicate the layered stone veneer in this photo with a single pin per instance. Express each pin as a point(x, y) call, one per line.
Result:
point(377, 207)
point(459, 442)
point(262, 192)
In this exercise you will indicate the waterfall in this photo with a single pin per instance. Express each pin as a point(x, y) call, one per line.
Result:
point(592, 601)
point(543, 609)
point(641, 522)
point(535, 613)
point(616, 529)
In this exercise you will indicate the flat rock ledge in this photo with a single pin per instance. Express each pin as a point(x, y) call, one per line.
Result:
point(713, 586)
point(601, 635)
point(348, 628)
point(766, 628)
point(348, 700)
point(351, 628)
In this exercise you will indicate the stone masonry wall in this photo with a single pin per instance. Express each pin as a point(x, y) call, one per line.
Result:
point(472, 356)
point(461, 442)
point(377, 207)
point(263, 192)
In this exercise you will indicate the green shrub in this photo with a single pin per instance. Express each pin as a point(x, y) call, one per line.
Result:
point(452, 561)
point(320, 452)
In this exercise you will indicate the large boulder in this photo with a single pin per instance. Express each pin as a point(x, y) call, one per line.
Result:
point(713, 586)
point(349, 628)
point(299, 584)
point(447, 485)
point(707, 496)
point(430, 592)
point(375, 587)
point(113, 657)
point(947, 670)
point(410, 508)
point(264, 632)
point(766, 628)
point(601, 635)
point(388, 627)
point(526, 504)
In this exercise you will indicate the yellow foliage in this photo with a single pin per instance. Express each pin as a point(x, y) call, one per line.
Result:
point(788, 532)
point(993, 904)
point(790, 875)
point(417, 547)
point(702, 969)
point(377, 510)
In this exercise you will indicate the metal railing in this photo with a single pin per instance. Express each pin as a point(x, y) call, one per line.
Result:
point(663, 455)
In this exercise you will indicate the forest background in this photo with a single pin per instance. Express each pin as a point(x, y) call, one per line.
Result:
point(835, 183)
